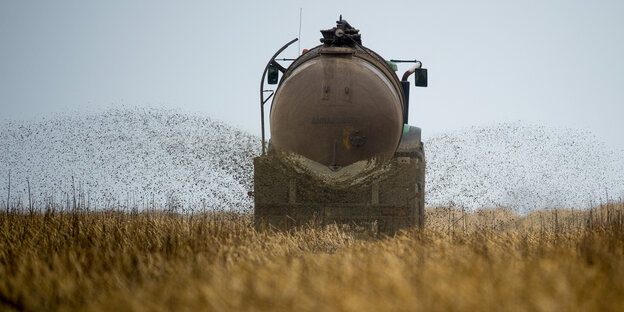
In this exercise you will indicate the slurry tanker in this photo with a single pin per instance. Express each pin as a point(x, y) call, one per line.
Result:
point(341, 149)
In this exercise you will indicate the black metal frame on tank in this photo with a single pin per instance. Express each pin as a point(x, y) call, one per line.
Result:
point(262, 90)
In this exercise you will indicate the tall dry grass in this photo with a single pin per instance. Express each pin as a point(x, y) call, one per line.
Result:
point(489, 260)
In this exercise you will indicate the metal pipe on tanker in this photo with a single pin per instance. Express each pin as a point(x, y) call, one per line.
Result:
point(411, 70)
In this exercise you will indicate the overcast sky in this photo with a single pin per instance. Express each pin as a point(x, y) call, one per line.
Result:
point(557, 63)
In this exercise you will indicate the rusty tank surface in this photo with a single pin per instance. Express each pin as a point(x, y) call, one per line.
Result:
point(341, 150)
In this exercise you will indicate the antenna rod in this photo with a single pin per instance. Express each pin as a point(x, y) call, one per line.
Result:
point(299, 43)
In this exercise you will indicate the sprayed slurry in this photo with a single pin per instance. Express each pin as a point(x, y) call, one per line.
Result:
point(140, 156)
point(523, 167)
point(130, 157)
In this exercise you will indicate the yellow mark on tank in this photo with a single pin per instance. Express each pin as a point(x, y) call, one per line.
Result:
point(346, 132)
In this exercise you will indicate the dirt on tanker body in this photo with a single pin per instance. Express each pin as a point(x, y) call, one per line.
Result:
point(313, 181)
point(358, 174)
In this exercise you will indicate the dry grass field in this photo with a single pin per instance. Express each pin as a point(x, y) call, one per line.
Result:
point(491, 260)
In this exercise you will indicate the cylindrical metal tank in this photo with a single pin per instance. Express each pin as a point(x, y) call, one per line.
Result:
point(338, 105)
